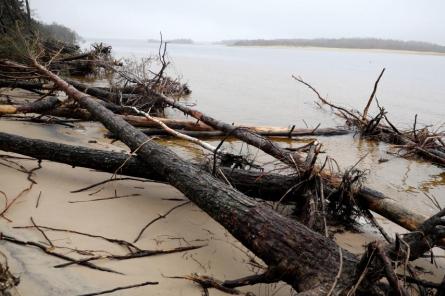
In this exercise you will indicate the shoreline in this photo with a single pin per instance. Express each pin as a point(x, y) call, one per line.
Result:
point(376, 50)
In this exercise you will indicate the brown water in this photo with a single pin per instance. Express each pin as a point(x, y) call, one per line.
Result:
point(253, 85)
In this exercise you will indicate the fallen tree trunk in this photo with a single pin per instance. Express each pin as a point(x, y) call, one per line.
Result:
point(303, 258)
point(40, 106)
point(278, 132)
point(27, 85)
point(266, 186)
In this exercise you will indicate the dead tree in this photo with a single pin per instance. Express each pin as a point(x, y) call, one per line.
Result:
point(266, 186)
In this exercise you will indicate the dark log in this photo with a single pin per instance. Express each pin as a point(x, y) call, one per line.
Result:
point(41, 106)
point(23, 84)
point(305, 259)
point(266, 133)
point(266, 186)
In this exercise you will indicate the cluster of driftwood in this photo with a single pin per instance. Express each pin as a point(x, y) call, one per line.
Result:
point(297, 249)
point(427, 144)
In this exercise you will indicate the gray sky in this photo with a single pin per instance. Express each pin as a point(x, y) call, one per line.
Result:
point(213, 20)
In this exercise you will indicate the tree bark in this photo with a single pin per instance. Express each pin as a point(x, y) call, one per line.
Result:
point(266, 186)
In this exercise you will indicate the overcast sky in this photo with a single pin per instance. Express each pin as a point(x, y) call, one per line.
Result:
point(212, 20)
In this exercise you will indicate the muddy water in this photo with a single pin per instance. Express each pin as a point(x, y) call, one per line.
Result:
point(240, 85)
point(253, 85)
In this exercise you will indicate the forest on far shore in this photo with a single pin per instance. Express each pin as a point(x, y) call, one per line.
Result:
point(357, 43)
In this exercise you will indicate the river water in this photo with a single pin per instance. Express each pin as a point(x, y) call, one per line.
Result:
point(253, 85)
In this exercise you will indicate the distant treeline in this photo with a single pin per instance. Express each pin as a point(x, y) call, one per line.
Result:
point(358, 43)
point(59, 32)
point(173, 41)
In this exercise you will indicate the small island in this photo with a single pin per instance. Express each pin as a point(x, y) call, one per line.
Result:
point(350, 43)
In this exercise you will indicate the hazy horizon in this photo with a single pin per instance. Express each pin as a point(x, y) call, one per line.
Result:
point(203, 21)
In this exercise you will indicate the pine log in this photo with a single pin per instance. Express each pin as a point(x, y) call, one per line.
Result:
point(266, 186)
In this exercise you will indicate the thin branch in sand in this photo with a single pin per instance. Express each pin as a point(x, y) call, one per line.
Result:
point(161, 216)
point(105, 198)
point(42, 232)
point(52, 253)
point(120, 288)
point(38, 199)
point(123, 243)
point(137, 254)
point(106, 181)
point(21, 193)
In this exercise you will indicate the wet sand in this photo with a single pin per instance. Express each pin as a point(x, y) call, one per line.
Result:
point(221, 256)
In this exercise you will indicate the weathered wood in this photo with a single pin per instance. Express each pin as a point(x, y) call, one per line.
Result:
point(40, 106)
point(23, 84)
point(270, 132)
point(242, 133)
point(267, 186)
point(368, 196)
point(304, 259)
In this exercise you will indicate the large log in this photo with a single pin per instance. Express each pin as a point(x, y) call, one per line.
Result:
point(303, 258)
point(269, 132)
point(266, 186)
point(40, 106)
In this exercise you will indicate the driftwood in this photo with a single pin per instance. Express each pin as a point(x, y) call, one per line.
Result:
point(266, 186)
point(278, 132)
point(422, 142)
point(311, 263)
point(295, 160)
point(288, 246)
point(40, 106)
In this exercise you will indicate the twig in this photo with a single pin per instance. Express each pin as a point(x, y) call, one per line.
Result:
point(365, 111)
point(52, 253)
point(38, 199)
point(137, 254)
point(42, 232)
point(105, 198)
point(106, 181)
point(119, 242)
point(120, 288)
point(161, 216)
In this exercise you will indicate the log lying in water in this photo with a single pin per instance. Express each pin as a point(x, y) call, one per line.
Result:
point(40, 106)
point(303, 258)
point(266, 186)
point(370, 197)
point(23, 84)
point(269, 132)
